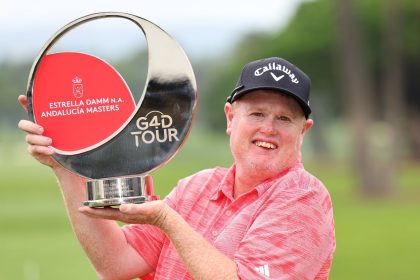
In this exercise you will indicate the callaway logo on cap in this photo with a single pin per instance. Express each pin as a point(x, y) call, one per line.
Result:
point(276, 74)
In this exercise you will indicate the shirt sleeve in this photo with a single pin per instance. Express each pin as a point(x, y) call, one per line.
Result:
point(148, 240)
point(293, 239)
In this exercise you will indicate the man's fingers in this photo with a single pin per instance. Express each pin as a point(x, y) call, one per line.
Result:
point(132, 216)
point(152, 212)
point(102, 213)
point(149, 185)
point(30, 127)
point(40, 150)
point(132, 209)
point(34, 139)
point(23, 101)
point(113, 214)
point(149, 180)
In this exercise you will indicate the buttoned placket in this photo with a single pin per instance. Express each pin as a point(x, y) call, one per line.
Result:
point(220, 220)
point(230, 208)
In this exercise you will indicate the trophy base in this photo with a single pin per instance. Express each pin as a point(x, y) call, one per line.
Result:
point(116, 191)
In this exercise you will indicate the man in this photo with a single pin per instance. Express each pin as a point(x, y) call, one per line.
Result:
point(263, 218)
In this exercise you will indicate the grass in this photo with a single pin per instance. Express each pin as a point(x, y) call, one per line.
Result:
point(376, 238)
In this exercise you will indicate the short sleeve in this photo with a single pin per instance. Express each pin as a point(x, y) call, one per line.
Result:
point(148, 240)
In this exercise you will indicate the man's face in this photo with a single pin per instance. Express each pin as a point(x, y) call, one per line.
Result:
point(266, 130)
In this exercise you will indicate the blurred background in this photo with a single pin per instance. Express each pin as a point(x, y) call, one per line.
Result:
point(364, 61)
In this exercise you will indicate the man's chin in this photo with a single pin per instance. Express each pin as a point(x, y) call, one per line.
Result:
point(268, 168)
point(264, 168)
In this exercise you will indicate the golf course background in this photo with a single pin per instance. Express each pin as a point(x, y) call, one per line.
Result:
point(364, 61)
point(376, 238)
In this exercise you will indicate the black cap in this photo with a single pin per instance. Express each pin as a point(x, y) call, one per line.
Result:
point(276, 74)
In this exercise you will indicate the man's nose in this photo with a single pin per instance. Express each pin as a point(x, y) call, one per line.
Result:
point(268, 127)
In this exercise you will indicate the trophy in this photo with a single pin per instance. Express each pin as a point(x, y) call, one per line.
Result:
point(99, 131)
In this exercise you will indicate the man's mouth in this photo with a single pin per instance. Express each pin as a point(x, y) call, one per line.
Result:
point(266, 145)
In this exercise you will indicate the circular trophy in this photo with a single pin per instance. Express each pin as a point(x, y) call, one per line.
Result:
point(98, 129)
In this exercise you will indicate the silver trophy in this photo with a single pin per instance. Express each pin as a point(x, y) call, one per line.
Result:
point(116, 154)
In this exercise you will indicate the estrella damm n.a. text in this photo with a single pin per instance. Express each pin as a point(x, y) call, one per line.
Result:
point(154, 127)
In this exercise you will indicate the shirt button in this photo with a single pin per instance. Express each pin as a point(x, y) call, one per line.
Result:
point(228, 213)
point(214, 233)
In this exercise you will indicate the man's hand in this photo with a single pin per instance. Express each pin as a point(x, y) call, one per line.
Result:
point(152, 212)
point(39, 146)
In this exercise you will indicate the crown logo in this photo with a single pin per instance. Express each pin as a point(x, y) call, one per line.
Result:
point(77, 87)
point(77, 80)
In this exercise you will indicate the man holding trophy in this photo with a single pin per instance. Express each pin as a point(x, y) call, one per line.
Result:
point(265, 217)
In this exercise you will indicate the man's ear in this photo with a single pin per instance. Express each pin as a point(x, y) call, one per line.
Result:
point(308, 124)
point(229, 117)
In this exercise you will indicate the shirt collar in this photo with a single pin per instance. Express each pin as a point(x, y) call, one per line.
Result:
point(227, 183)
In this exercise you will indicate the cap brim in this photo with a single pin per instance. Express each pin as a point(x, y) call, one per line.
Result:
point(305, 107)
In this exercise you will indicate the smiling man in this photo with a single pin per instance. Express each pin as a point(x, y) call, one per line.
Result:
point(266, 130)
point(265, 217)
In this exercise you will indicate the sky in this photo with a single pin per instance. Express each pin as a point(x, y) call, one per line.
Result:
point(203, 28)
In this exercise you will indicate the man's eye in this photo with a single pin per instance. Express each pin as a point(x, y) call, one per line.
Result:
point(257, 114)
point(284, 118)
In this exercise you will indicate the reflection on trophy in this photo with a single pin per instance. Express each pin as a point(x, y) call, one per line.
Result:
point(99, 131)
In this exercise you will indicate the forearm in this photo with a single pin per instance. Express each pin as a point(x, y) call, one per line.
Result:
point(102, 240)
point(202, 260)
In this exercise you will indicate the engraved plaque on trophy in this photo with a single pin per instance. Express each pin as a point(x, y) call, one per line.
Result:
point(98, 130)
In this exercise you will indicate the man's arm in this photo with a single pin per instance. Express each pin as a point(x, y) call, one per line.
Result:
point(201, 259)
point(102, 240)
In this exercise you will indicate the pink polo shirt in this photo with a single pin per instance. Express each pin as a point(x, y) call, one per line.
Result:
point(282, 229)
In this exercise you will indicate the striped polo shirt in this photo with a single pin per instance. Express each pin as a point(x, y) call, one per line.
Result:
point(281, 229)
